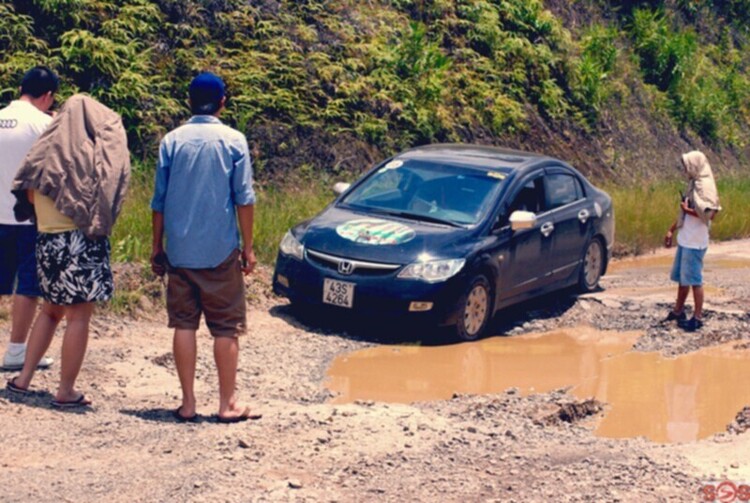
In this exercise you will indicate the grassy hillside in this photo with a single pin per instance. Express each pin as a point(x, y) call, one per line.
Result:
point(618, 88)
point(322, 89)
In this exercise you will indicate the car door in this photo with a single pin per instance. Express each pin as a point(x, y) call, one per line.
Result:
point(526, 257)
point(572, 217)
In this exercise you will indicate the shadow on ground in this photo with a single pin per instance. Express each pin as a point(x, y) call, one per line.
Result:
point(161, 415)
point(41, 400)
point(329, 321)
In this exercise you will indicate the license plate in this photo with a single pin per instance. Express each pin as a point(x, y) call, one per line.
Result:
point(338, 293)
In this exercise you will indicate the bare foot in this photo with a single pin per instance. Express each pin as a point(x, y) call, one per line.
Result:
point(237, 413)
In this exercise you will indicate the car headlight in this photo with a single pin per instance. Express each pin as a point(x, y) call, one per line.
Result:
point(432, 271)
point(291, 246)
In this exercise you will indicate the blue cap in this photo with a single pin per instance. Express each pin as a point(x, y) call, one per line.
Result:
point(206, 92)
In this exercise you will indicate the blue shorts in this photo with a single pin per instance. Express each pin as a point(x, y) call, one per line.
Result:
point(18, 261)
point(688, 266)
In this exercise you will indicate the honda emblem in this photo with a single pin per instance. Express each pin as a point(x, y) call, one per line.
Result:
point(346, 267)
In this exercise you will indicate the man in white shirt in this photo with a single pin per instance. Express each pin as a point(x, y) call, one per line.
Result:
point(21, 123)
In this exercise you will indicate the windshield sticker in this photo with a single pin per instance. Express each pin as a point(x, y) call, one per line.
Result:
point(373, 231)
point(496, 174)
point(391, 165)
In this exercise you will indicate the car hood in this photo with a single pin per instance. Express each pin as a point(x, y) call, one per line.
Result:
point(381, 238)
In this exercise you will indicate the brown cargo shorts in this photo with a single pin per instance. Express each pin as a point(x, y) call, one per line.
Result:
point(218, 293)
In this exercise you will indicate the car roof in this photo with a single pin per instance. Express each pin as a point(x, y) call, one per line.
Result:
point(477, 155)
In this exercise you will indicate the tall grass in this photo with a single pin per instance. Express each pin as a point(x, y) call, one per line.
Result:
point(131, 236)
point(276, 210)
point(644, 212)
point(279, 209)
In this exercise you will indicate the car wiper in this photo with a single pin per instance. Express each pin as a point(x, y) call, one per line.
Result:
point(418, 216)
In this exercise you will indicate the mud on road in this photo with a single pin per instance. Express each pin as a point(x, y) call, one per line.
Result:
point(500, 446)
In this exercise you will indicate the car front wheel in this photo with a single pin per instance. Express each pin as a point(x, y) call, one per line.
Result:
point(475, 309)
point(591, 269)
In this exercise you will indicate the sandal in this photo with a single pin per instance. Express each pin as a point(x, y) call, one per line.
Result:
point(81, 401)
point(13, 388)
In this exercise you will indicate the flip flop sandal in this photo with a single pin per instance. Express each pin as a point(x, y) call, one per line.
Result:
point(81, 401)
point(183, 419)
point(13, 388)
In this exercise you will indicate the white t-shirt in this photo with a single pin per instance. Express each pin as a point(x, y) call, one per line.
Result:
point(693, 233)
point(21, 123)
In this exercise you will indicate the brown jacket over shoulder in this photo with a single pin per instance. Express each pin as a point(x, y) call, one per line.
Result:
point(82, 163)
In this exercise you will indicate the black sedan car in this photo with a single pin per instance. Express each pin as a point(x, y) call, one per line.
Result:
point(452, 234)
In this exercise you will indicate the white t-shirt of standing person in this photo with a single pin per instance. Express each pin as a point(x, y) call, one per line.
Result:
point(21, 123)
point(693, 233)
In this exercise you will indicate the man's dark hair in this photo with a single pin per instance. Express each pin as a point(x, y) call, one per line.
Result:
point(38, 81)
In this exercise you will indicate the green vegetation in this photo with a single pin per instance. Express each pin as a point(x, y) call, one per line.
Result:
point(280, 209)
point(277, 211)
point(706, 85)
point(324, 88)
point(644, 212)
point(305, 75)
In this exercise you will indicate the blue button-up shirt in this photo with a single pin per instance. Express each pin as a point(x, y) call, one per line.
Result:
point(204, 171)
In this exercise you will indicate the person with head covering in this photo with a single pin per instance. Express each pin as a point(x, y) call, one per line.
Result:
point(203, 191)
point(21, 123)
point(76, 176)
point(698, 207)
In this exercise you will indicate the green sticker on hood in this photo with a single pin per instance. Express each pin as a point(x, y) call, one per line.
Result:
point(373, 231)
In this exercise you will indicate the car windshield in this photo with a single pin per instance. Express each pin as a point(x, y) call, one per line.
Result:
point(429, 191)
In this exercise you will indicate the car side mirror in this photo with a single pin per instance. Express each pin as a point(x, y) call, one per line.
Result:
point(341, 187)
point(520, 220)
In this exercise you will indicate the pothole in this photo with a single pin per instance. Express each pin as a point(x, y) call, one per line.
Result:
point(647, 394)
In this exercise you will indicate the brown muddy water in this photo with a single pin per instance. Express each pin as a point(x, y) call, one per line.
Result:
point(663, 399)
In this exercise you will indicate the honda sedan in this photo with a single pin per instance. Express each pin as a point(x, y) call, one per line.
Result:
point(450, 234)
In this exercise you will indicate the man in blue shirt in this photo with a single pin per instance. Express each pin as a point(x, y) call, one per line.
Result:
point(203, 190)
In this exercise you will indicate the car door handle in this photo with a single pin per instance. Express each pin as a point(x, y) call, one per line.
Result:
point(547, 229)
point(583, 215)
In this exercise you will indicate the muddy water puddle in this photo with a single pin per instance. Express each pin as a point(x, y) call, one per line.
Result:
point(663, 399)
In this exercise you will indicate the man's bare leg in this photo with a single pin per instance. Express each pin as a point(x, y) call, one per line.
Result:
point(226, 354)
point(185, 354)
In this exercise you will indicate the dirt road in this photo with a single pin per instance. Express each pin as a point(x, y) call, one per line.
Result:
point(495, 447)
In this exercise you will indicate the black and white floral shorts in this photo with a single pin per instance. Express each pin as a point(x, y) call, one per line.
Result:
point(72, 268)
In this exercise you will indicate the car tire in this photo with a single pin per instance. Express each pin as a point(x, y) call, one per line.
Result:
point(474, 309)
point(591, 266)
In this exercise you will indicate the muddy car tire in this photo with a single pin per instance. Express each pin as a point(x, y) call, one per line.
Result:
point(591, 267)
point(475, 309)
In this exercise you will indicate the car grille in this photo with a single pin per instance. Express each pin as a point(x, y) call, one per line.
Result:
point(346, 267)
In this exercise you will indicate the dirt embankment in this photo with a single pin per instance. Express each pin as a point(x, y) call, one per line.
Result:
point(495, 447)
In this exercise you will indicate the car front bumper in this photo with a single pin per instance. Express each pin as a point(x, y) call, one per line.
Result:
point(375, 295)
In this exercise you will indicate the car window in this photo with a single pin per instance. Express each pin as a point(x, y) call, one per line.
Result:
point(562, 189)
point(529, 198)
